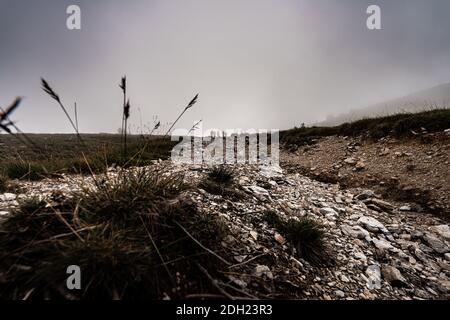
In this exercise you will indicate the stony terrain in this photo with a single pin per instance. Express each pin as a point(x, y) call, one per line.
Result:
point(411, 170)
point(376, 249)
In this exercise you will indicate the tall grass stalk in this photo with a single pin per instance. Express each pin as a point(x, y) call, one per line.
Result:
point(125, 113)
point(46, 87)
point(190, 105)
point(6, 122)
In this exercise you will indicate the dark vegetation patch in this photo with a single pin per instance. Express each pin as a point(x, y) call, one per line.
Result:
point(136, 236)
point(64, 154)
point(305, 235)
point(398, 125)
point(4, 181)
point(220, 180)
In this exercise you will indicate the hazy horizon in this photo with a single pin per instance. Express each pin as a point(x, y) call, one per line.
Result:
point(256, 64)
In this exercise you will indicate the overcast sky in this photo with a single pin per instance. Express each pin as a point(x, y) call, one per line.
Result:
point(256, 63)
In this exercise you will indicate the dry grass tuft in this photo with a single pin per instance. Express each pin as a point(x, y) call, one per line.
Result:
point(220, 181)
point(135, 236)
point(4, 181)
point(305, 235)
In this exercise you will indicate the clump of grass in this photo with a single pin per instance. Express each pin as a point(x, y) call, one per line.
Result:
point(31, 205)
point(271, 218)
point(135, 236)
point(304, 234)
point(4, 182)
point(221, 174)
point(25, 170)
point(220, 181)
point(131, 195)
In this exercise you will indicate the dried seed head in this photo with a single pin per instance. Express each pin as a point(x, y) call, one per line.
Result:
point(46, 87)
point(123, 84)
point(5, 113)
point(193, 101)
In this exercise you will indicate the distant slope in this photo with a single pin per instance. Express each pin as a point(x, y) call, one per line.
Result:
point(397, 125)
point(435, 97)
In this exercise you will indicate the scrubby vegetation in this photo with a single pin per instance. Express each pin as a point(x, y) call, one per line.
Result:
point(305, 235)
point(3, 183)
point(63, 154)
point(398, 125)
point(134, 236)
point(220, 181)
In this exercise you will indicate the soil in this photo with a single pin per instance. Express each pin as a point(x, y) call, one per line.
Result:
point(409, 170)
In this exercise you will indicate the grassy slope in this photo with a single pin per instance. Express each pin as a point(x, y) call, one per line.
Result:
point(63, 153)
point(399, 125)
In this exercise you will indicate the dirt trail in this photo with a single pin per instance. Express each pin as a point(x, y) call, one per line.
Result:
point(412, 171)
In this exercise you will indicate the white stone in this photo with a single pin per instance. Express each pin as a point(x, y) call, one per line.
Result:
point(262, 270)
point(350, 161)
point(3, 213)
point(339, 293)
point(373, 273)
point(326, 211)
point(443, 230)
point(372, 224)
point(435, 243)
point(271, 171)
point(257, 190)
point(254, 235)
point(8, 197)
point(382, 244)
point(355, 231)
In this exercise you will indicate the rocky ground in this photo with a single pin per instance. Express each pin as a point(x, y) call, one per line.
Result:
point(410, 170)
point(376, 249)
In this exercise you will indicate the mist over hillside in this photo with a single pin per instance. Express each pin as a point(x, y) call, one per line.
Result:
point(432, 98)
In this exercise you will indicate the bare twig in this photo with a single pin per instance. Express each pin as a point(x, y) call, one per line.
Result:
point(28, 294)
point(215, 283)
point(201, 245)
point(59, 215)
point(250, 296)
point(247, 261)
point(157, 251)
point(76, 117)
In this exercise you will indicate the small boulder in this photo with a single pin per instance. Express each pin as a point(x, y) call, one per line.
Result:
point(360, 165)
point(263, 271)
point(372, 224)
point(382, 204)
point(366, 194)
point(355, 231)
point(394, 276)
point(7, 197)
point(443, 230)
point(351, 161)
point(435, 243)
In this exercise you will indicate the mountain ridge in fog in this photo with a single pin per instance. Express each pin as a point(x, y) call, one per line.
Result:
point(431, 98)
